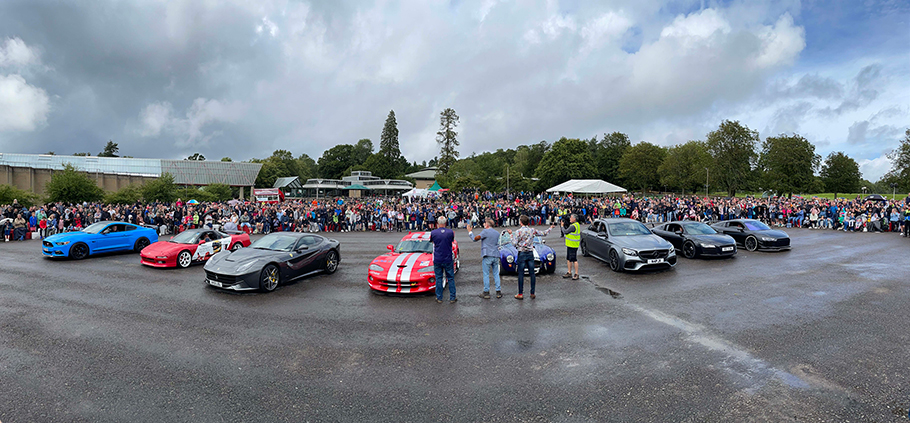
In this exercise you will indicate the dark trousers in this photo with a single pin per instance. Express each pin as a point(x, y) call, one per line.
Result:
point(525, 259)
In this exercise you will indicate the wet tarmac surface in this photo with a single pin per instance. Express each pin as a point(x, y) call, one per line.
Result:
point(819, 333)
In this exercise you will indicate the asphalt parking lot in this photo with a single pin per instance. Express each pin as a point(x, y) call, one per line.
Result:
point(819, 333)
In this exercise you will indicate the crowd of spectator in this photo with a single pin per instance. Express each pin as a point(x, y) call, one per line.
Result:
point(405, 214)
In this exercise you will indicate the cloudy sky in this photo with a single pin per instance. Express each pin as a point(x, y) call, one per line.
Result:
point(240, 78)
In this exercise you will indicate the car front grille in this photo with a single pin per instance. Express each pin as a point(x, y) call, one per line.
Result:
point(221, 278)
point(654, 254)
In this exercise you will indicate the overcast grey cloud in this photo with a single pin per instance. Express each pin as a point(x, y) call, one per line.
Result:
point(242, 78)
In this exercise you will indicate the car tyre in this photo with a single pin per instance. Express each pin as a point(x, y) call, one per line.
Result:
point(140, 244)
point(269, 278)
point(689, 250)
point(79, 251)
point(184, 259)
point(614, 261)
point(751, 243)
point(331, 262)
point(584, 249)
point(236, 246)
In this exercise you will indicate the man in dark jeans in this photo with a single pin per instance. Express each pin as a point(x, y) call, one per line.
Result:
point(443, 240)
point(523, 239)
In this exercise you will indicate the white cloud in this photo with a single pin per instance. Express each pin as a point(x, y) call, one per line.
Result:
point(158, 118)
point(874, 169)
point(15, 53)
point(781, 44)
point(23, 107)
point(697, 27)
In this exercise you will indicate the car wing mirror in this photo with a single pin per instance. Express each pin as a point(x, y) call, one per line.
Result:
point(390, 247)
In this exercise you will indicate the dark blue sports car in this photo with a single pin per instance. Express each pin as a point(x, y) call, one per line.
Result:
point(101, 237)
point(544, 256)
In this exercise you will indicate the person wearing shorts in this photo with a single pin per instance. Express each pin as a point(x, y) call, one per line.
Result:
point(573, 238)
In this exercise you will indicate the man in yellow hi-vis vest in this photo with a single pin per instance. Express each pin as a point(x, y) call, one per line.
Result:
point(573, 238)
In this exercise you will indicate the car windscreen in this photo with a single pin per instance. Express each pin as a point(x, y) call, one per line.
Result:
point(755, 225)
point(95, 228)
point(411, 246)
point(275, 242)
point(505, 238)
point(185, 238)
point(699, 229)
point(628, 229)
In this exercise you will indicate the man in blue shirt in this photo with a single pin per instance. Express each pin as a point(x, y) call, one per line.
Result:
point(489, 250)
point(443, 263)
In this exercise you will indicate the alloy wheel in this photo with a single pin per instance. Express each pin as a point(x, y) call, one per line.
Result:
point(269, 279)
point(79, 251)
point(184, 259)
point(614, 261)
point(751, 243)
point(331, 262)
point(689, 250)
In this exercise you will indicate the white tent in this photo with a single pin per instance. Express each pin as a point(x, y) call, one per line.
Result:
point(417, 192)
point(586, 186)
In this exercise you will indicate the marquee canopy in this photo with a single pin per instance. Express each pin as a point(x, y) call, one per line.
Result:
point(587, 186)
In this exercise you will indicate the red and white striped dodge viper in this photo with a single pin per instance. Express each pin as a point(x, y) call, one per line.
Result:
point(407, 268)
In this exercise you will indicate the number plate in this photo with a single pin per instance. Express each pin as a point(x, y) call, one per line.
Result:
point(214, 283)
point(727, 249)
point(655, 261)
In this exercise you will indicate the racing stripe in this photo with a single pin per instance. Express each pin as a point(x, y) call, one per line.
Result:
point(393, 268)
point(409, 267)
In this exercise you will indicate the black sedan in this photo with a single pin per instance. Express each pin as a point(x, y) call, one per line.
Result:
point(696, 239)
point(754, 235)
point(273, 259)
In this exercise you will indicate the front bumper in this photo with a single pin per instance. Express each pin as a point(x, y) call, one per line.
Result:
point(153, 261)
point(718, 251)
point(246, 282)
point(413, 287)
point(777, 245)
point(633, 263)
point(51, 250)
point(539, 267)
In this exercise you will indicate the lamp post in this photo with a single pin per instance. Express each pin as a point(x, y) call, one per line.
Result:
point(707, 174)
point(893, 190)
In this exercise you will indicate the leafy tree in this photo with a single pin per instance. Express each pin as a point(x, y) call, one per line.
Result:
point(72, 186)
point(306, 167)
point(8, 193)
point(219, 192)
point(82, 154)
point(280, 164)
point(567, 159)
point(684, 166)
point(607, 153)
point(335, 161)
point(840, 174)
point(110, 150)
point(900, 159)
point(161, 189)
point(732, 149)
point(448, 140)
point(196, 156)
point(50, 153)
point(788, 164)
point(638, 164)
point(226, 159)
point(362, 151)
point(389, 163)
point(129, 194)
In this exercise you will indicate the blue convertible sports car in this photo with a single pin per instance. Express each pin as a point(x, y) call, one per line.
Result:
point(544, 256)
point(101, 237)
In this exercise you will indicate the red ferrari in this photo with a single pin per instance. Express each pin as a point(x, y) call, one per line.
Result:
point(194, 245)
point(408, 268)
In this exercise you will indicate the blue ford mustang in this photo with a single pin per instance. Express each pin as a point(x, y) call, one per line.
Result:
point(544, 256)
point(101, 237)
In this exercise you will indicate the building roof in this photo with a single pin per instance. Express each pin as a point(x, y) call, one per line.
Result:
point(586, 186)
point(428, 174)
point(290, 182)
point(185, 172)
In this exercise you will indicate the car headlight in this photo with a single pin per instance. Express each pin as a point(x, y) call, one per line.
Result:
point(426, 269)
point(62, 242)
point(672, 250)
point(550, 256)
point(510, 259)
point(766, 239)
point(376, 267)
point(708, 245)
point(629, 252)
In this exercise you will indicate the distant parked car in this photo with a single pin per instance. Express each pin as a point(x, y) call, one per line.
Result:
point(193, 245)
point(754, 235)
point(100, 237)
point(696, 239)
point(626, 244)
